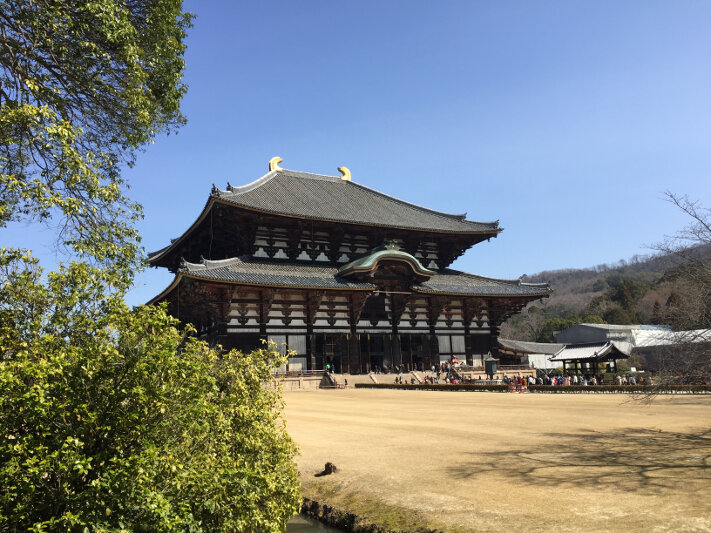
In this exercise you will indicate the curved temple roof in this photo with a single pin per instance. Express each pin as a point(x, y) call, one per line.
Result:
point(242, 271)
point(303, 195)
point(386, 252)
point(319, 197)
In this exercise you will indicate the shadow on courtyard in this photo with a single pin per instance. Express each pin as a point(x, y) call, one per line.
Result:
point(629, 460)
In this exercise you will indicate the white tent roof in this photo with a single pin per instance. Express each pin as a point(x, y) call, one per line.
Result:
point(578, 352)
point(648, 338)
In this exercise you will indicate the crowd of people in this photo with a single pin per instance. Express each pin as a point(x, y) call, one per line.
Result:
point(583, 380)
point(446, 376)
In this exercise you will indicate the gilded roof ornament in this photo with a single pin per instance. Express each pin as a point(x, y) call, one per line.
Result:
point(274, 163)
point(346, 174)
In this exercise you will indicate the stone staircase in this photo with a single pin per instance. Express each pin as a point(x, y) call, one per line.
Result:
point(338, 381)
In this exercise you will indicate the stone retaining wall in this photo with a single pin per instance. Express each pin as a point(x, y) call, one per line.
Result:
point(302, 383)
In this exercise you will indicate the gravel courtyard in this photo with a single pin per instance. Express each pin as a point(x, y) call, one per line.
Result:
point(464, 461)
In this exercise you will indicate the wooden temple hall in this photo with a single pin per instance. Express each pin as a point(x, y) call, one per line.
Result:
point(336, 272)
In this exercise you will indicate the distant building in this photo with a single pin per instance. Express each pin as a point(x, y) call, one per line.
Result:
point(587, 358)
point(623, 336)
point(580, 357)
point(652, 347)
point(648, 342)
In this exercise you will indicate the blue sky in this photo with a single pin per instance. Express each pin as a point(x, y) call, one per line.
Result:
point(564, 120)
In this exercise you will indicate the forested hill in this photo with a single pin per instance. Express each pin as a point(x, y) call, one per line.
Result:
point(638, 290)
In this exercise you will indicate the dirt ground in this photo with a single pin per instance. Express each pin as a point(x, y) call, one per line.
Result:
point(465, 461)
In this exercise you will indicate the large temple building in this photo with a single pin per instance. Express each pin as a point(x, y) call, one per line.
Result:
point(336, 273)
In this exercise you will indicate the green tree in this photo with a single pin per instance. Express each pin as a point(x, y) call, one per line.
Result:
point(115, 419)
point(83, 85)
point(592, 319)
point(599, 285)
point(616, 314)
point(552, 325)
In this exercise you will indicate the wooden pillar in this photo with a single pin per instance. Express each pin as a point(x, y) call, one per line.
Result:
point(357, 360)
point(396, 350)
point(398, 302)
point(470, 309)
point(265, 306)
point(433, 349)
point(410, 357)
point(356, 365)
point(365, 354)
point(468, 352)
point(310, 357)
point(494, 319)
point(313, 302)
point(435, 305)
point(343, 364)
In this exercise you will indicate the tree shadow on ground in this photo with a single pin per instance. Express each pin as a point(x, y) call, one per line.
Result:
point(640, 460)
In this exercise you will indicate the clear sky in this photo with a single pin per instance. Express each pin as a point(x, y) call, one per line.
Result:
point(564, 120)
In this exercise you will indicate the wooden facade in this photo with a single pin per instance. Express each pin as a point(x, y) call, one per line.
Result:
point(371, 289)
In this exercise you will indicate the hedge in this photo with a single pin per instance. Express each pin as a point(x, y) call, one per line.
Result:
point(629, 389)
point(443, 387)
point(557, 389)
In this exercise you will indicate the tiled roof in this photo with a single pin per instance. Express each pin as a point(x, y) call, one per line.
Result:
point(310, 275)
point(593, 350)
point(255, 272)
point(549, 348)
point(318, 197)
point(649, 338)
point(454, 282)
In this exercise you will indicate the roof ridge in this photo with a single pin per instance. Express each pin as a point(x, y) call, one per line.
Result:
point(620, 326)
point(574, 345)
point(251, 185)
point(308, 175)
point(207, 264)
point(312, 175)
point(442, 214)
point(529, 342)
point(517, 282)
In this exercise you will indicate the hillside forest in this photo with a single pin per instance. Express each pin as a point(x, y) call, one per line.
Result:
point(641, 290)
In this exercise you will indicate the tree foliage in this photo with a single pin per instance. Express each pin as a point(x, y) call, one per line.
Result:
point(688, 308)
point(83, 85)
point(115, 419)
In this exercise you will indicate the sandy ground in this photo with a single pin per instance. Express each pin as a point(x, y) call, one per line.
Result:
point(464, 461)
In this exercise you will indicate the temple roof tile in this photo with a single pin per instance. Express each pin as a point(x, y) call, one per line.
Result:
point(321, 197)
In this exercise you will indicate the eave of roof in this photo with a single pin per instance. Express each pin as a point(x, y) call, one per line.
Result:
point(303, 275)
point(456, 283)
point(549, 348)
point(153, 257)
point(330, 198)
point(373, 209)
point(587, 352)
point(219, 272)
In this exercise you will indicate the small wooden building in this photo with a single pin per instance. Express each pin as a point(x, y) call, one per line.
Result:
point(586, 358)
point(336, 273)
